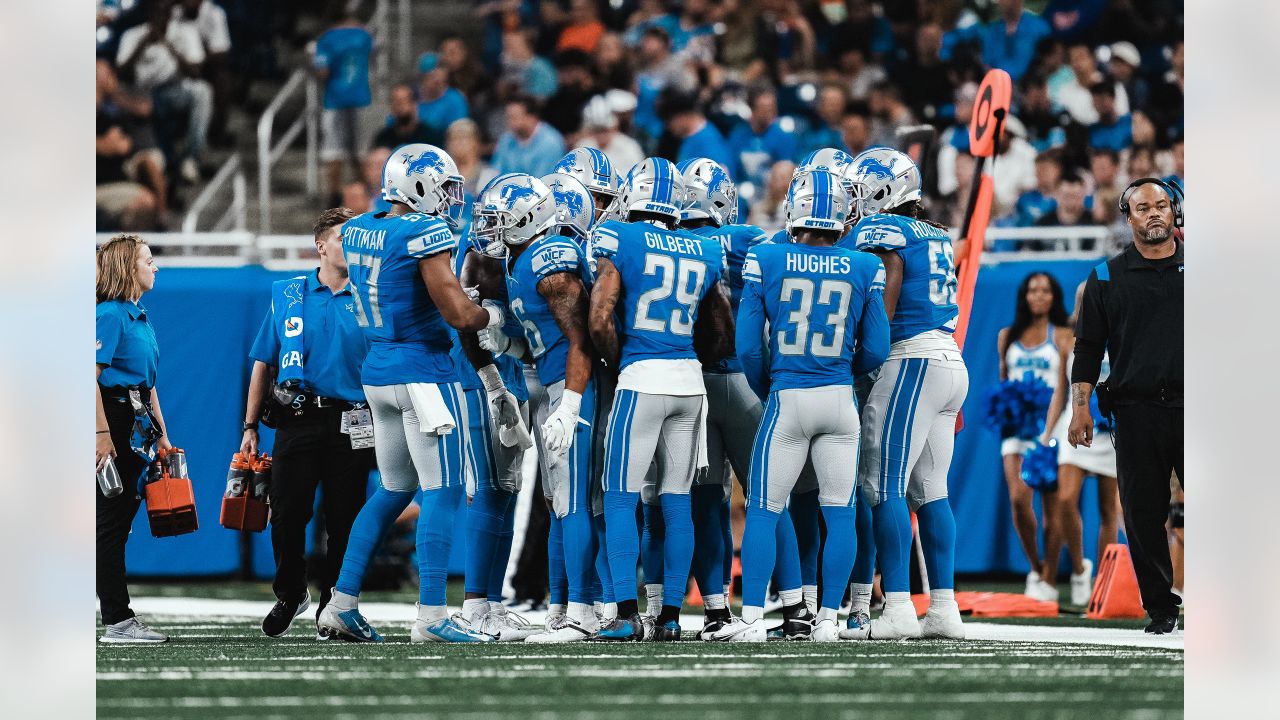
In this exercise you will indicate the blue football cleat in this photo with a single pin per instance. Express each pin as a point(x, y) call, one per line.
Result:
point(620, 630)
point(450, 630)
point(667, 632)
point(346, 624)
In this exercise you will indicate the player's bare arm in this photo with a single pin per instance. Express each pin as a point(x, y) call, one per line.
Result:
point(713, 333)
point(604, 298)
point(892, 279)
point(447, 294)
point(567, 299)
point(485, 275)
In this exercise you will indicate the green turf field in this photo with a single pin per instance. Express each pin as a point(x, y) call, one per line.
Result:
point(221, 668)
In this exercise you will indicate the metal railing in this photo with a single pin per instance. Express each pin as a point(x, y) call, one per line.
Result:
point(234, 217)
point(206, 250)
point(269, 154)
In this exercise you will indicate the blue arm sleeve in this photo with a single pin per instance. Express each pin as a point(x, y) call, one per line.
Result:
point(749, 338)
point(873, 335)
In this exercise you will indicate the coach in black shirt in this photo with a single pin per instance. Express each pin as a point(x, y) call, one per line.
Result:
point(1132, 308)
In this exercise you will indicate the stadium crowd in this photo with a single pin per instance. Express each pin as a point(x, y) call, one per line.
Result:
point(755, 85)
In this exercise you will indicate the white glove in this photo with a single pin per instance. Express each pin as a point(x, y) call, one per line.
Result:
point(473, 293)
point(494, 340)
point(559, 429)
point(505, 406)
point(496, 316)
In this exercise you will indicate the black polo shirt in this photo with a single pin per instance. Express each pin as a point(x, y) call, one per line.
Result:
point(1132, 308)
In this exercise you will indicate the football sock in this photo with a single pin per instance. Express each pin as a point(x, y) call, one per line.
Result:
point(502, 550)
point(786, 570)
point(581, 612)
point(579, 554)
point(431, 613)
point(893, 543)
point(804, 515)
point(708, 537)
point(861, 597)
point(758, 554)
point(343, 601)
point(714, 602)
point(485, 517)
point(938, 539)
point(864, 562)
point(810, 594)
point(379, 511)
point(837, 553)
point(942, 597)
point(651, 542)
point(557, 577)
point(791, 598)
point(826, 613)
point(620, 538)
point(610, 612)
point(435, 540)
point(554, 608)
point(653, 599)
point(669, 613)
point(752, 613)
point(474, 609)
point(896, 599)
point(678, 548)
point(628, 608)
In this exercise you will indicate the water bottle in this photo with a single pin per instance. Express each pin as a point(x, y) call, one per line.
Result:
point(175, 463)
point(239, 475)
point(155, 472)
point(109, 479)
point(262, 477)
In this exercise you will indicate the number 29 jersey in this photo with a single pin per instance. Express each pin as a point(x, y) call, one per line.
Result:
point(928, 298)
point(665, 274)
point(408, 339)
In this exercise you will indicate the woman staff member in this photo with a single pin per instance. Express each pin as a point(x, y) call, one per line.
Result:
point(127, 358)
point(1037, 342)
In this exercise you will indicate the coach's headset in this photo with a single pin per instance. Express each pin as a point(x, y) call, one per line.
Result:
point(1175, 197)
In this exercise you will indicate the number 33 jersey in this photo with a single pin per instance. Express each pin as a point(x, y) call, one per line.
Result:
point(821, 304)
point(665, 274)
point(928, 298)
point(409, 341)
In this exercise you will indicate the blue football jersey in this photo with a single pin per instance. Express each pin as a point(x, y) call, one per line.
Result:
point(821, 304)
point(665, 274)
point(928, 298)
point(409, 340)
point(545, 256)
point(509, 368)
point(736, 241)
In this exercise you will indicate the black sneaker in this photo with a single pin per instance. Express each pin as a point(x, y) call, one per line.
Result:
point(278, 621)
point(714, 620)
point(667, 632)
point(797, 624)
point(1163, 624)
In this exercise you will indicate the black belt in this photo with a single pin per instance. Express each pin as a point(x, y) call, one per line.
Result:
point(1161, 395)
point(121, 394)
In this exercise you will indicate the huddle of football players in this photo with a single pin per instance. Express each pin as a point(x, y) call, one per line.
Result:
point(649, 349)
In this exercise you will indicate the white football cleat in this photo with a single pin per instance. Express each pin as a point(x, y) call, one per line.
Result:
point(1043, 591)
point(895, 623)
point(567, 630)
point(825, 631)
point(555, 620)
point(506, 626)
point(1033, 577)
point(740, 631)
point(942, 621)
point(1082, 585)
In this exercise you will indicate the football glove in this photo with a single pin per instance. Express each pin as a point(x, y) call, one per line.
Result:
point(506, 409)
point(559, 429)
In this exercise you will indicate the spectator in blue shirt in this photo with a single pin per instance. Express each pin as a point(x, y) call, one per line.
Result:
point(1112, 130)
point(762, 140)
point(341, 62)
point(698, 138)
point(1036, 203)
point(824, 129)
point(529, 145)
point(438, 104)
point(1008, 43)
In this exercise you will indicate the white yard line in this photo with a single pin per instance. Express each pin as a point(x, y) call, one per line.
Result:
point(202, 610)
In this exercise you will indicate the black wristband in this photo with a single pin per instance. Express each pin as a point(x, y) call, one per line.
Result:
point(249, 426)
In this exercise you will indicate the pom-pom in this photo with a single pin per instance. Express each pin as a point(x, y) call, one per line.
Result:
point(1040, 467)
point(1017, 408)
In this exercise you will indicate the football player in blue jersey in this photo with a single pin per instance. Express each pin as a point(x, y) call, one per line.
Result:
point(406, 296)
point(908, 423)
point(594, 170)
point(657, 308)
point(823, 311)
point(548, 286)
point(834, 160)
point(733, 410)
point(495, 466)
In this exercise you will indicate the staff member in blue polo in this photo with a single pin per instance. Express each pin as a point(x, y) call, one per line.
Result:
point(130, 427)
point(306, 379)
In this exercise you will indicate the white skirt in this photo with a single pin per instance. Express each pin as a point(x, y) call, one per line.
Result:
point(1098, 459)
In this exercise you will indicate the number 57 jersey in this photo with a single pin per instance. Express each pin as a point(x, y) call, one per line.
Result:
point(665, 274)
point(821, 304)
point(928, 298)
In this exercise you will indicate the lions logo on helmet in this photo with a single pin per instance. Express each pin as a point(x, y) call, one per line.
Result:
point(426, 179)
point(653, 186)
point(881, 179)
point(594, 170)
point(817, 200)
point(833, 160)
point(573, 200)
point(709, 192)
point(513, 210)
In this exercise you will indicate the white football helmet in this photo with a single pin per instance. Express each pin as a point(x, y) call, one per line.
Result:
point(881, 179)
point(426, 179)
point(574, 214)
point(514, 209)
point(709, 191)
point(817, 200)
point(654, 186)
point(594, 169)
point(831, 159)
